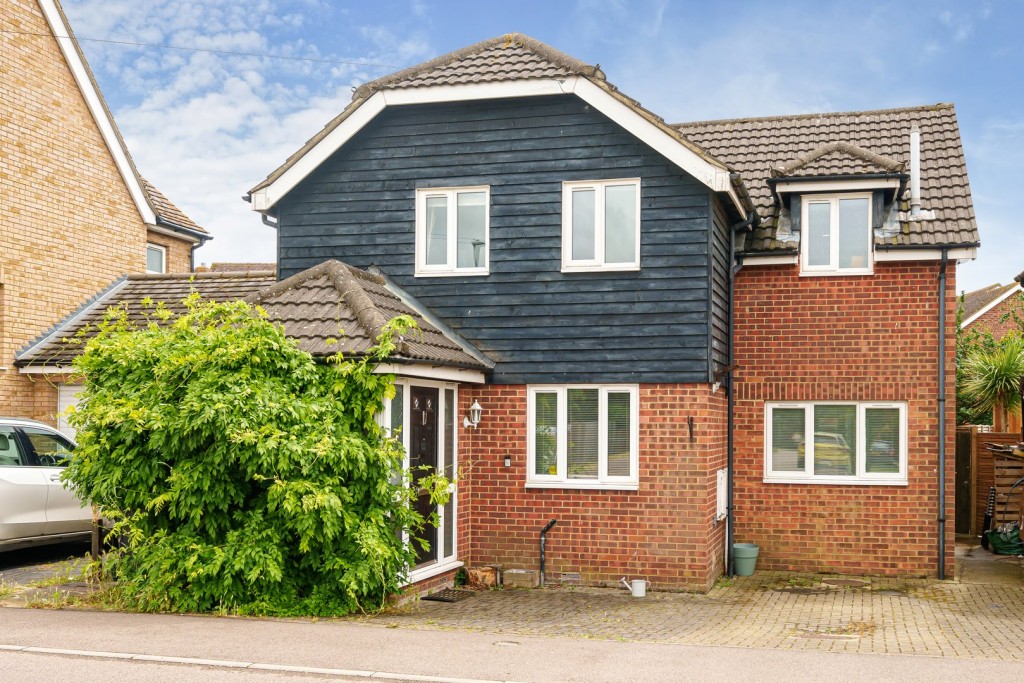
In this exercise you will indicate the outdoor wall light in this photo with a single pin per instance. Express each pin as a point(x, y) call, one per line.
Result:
point(475, 411)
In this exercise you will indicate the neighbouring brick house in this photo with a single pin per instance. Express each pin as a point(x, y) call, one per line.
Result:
point(665, 337)
point(984, 309)
point(74, 211)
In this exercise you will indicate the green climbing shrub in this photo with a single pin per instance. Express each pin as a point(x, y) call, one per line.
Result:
point(244, 476)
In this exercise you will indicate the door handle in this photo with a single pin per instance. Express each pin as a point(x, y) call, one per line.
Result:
point(55, 477)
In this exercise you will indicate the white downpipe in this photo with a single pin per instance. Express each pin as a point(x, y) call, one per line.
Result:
point(915, 171)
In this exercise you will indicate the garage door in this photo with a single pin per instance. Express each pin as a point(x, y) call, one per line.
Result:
point(67, 395)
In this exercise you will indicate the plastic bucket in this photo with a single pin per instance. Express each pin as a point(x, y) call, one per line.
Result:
point(638, 587)
point(745, 557)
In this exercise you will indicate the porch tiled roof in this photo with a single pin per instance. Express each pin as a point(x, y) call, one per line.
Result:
point(757, 146)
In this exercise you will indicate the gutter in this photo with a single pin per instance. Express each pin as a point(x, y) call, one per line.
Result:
point(941, 402)
point(746, 225)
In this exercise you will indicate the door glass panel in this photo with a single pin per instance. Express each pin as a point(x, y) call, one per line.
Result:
point(789, 451)
point(853, 233)
point(437, 231)
point(10, 453)
point(620, 224)
point(583, 219)
point(397, 410)
point(619, 418)
point(545, 436)
point(582, 434)
point(835, 440)
point(51, 450)
point(882, 433)
point(448, 532)
point(472, 229)
point(819, 233)
point(423, 461)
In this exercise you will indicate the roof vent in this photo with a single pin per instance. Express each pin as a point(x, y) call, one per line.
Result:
point(915, 173)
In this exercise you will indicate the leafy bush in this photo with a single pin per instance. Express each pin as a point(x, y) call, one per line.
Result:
point(246, 477)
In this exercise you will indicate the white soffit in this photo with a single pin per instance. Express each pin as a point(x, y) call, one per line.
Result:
point(437, 372)
point(714, 177)
point(99, 113)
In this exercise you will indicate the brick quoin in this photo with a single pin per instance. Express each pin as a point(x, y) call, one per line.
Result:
point(850, 338)
point(665, 532)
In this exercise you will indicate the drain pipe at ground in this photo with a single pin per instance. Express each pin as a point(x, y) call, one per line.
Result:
point(942, 414)
point(543, 542)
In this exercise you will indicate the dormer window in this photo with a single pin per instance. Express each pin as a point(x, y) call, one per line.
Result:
point(837, 235)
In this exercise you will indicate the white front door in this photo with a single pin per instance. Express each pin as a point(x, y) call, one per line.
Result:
point(67, 395)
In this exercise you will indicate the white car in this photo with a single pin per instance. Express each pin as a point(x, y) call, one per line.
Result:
point(35, 506)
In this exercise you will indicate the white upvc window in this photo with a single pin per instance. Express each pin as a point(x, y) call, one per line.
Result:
point(583, 436)
point(837, 235)
point(601, 225)
point(836, 443)
point(452, 231)
point(156, 258)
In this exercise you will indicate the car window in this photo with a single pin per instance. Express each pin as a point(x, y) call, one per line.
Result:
point(10, 453)
point(51, 450)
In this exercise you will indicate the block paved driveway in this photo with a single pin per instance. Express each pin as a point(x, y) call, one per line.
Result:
point(768, 610)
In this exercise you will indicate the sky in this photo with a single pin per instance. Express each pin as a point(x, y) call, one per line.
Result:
point(213, 95)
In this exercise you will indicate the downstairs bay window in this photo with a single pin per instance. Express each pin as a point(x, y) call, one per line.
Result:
point(837, 443)
point(582, 436)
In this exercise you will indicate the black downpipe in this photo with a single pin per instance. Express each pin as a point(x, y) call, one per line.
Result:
point(942, 414)
point(745, 225)
point(543, 542)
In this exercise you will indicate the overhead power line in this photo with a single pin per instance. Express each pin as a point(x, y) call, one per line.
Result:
point(211, 51)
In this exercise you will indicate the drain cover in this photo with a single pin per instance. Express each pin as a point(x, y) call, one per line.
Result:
point(448, 595)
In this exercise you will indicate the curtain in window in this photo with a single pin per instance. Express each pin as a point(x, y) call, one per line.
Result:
point(788, 448)
point(882, 434)
point(545, 433)
point(471, 226)
point(582, 446)
point(620, 415)
point(620, 224)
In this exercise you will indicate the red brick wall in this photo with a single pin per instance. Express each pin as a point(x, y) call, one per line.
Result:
point(990, 320)
point(664, 532)
point(844, 338)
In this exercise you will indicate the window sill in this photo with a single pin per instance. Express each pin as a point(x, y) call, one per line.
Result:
point(835, 481)
point(433, 570)
point(628, 267)
point(583, 485)
point(452, 273)
point(837, 273)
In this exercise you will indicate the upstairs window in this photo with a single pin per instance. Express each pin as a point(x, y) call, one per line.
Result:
point(452, 226)
point(837, 235)
point(601, 225)
point(156, 258)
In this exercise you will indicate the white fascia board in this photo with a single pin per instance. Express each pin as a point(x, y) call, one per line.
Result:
point(99, 113)
point(713, 176)
point(837, 185)
point(992, 304)
point(438, 372)
point(781, 260)
point(47, 370)
point(928, 254)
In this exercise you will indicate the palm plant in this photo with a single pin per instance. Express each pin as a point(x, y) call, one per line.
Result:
point(995, 378)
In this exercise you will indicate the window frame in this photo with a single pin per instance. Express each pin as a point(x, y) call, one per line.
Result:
point(598, 263)
point(833, 266)
point(163, 258)
point(604, 480)
point(450, 268)
point(860, 477)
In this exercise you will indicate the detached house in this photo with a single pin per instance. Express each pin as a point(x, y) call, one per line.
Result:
point(678, 335)
point(74, 211)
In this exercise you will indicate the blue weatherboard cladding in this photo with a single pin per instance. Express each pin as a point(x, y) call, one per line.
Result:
point(540, 325)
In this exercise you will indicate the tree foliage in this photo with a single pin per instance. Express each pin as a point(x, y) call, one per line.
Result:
point(246, 477)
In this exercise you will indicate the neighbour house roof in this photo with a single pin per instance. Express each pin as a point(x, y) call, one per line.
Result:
point(335, 307)
point(153, 206)
point(512, 58)
point(331, 301)
point(982, 300)
point(234, 267)
point(851, 144)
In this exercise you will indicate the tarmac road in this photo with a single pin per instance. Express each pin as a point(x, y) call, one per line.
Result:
point(102, 642)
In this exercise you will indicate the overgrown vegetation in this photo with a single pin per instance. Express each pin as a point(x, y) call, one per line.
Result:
point(244, 476)
point(989, 370)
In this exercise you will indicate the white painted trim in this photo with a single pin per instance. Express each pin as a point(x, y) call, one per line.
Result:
point(992, 304)
point(713, 176)
point(833, 269)
point(163, 258)
point(451, 195)
point(432, 570)
point(784, 260)
point(80, 72)
point(46, 370)
point(958, 254)
point(98, 302)
point(581, 486)
point(440, 373)
point(810, 186)
point(597, 264)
